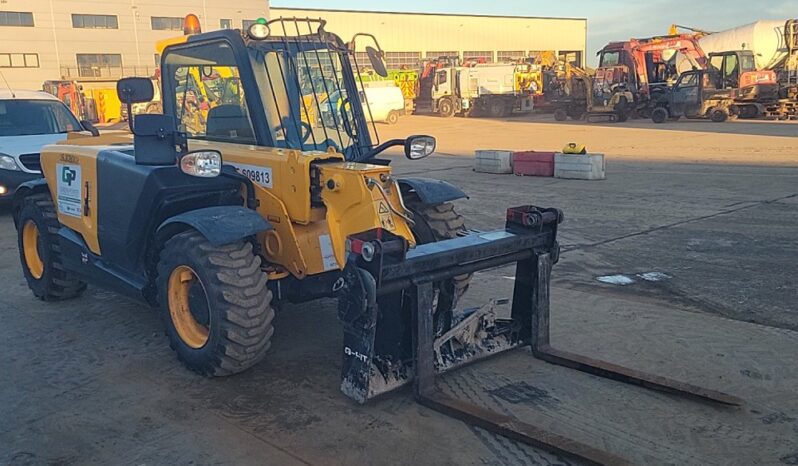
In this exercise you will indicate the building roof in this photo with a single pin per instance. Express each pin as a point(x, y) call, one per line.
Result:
point(273, 8)
point(6, 94)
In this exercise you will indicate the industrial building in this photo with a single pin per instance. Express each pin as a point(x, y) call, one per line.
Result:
point(409, 38)
point(92, 41)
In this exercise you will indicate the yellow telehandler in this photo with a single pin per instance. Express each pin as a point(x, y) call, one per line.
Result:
point(214, 222)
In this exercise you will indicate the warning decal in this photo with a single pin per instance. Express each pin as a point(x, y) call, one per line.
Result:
point(386, 219)
point(327, 255)
point(69, 189)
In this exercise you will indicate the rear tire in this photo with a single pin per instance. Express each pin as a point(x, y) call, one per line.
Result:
point(560, 115)
point(434, 223)
point(718, 115)
point(393, 117)
point(659, 115)
point(622, 110)
point(215, 304)
point(40, 251)
point(496, 108)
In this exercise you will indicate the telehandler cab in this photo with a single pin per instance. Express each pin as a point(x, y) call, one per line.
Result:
point(212, 222)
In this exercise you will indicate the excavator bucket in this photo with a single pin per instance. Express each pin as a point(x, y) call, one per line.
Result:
point(387, 309)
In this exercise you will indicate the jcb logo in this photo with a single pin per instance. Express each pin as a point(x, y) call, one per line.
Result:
point(68, 175)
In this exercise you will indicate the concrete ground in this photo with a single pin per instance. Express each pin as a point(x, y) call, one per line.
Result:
point(701, 217)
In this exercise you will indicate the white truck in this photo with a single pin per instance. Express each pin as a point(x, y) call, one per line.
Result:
point(476, 90)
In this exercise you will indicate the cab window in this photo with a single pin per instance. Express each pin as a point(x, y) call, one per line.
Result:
point(207, 94)
point(688, 80)
point(610, 59)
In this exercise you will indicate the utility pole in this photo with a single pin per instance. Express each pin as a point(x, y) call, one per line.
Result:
point(135, 14)
point(55, 38)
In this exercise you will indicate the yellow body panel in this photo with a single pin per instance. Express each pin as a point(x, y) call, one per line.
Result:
point(84, 221)
point(307, 239)
point(304, 236)
point(354, 207)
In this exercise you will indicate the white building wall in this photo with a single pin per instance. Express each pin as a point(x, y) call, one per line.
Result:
point(57, 43)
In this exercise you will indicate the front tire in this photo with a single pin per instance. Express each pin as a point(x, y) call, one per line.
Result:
point(439, 222)
point(393, 117)
point(40, 251)
point(215, 304)
point(446, 108)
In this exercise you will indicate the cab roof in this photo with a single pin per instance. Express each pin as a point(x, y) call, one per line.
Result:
point(6, 94)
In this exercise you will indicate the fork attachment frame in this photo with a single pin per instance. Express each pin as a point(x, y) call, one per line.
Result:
point(387, 309)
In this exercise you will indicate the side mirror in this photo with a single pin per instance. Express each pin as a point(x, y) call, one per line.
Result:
point(377, 64)
point(89, 126)
point(419, 146)
point(132, 91)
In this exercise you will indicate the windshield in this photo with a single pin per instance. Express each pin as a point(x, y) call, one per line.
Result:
point(28, 117)
point(747, 63)
point(610, 59)
point(307, 101)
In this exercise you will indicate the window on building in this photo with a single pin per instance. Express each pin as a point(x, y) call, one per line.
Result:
point(246, 23)
point(362, 59)
point(99, 65)
point(19, 60)
point(95, 21)
point(574, 57)
point(509, 55)
point(225, 24)
point(166, 23)
point(402, 60)
point(433, 55)
point(16, 18)
point(479, 57)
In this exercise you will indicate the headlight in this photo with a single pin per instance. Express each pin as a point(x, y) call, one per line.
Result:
point(202, 163)
point(259, 30)
point(8, 163)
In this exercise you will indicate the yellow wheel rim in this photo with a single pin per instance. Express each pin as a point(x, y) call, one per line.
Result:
point(190, 331)
point(30, 248)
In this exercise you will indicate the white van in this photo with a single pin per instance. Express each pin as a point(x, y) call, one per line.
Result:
point(386, 103)
point(30, 120)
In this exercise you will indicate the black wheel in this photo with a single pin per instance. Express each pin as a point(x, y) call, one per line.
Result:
point(496, 108)
point(659, 115)
point(576, 115)
point(446, 108)
point(560, 115)
point(718, 115)
point(622, 110)
point(215, 304)
point(392, 118)
point(40, 251)
point(437, 223)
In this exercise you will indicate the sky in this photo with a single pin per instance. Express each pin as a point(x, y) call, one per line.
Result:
point(607, 20)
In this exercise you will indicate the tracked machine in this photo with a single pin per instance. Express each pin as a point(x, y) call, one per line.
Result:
point(213, 223)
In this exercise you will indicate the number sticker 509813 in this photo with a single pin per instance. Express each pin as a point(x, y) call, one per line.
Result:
point(259, 175)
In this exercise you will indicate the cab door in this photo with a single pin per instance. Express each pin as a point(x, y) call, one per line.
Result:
point(687, 94)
